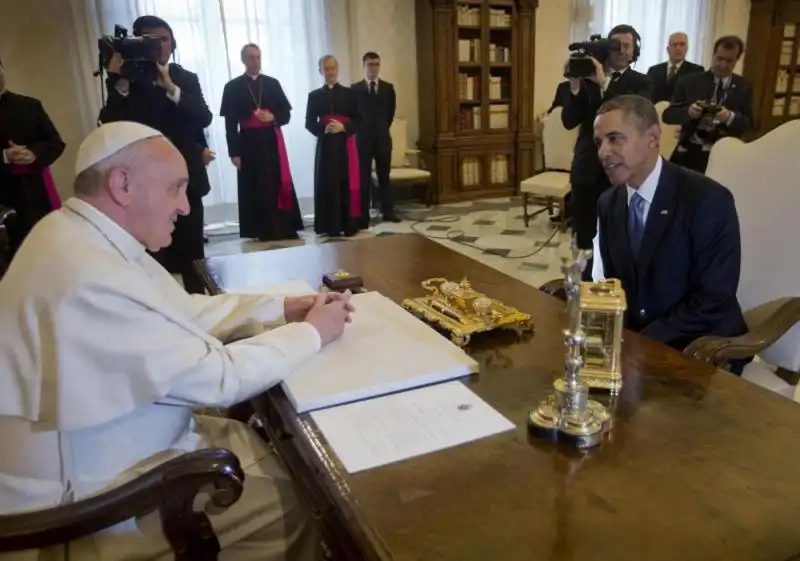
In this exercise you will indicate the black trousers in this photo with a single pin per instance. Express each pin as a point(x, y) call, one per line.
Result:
point(694, 158)
point(377, 147)
point(188, 244)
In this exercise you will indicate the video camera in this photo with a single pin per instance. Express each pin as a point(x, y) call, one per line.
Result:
point(141, 54)
point(579, 65)
point(709, 107)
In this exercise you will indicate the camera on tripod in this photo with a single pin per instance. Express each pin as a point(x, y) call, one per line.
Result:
point(140, 54)
point(579, 65)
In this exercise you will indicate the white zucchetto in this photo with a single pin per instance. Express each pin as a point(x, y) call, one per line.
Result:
point(108, 139)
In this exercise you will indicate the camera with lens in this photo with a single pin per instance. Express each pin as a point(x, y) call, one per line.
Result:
point(580, 65)
point(709, 107)
point(140, 54)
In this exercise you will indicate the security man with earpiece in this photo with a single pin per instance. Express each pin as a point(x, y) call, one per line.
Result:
point(587, 176)
point(173, 104)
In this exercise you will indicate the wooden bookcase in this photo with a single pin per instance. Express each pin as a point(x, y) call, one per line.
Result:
point(476, 67)
point(772, 62)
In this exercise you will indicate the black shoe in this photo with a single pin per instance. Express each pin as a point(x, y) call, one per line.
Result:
point(205, 239)
point(350, 233)
point(556, 219)
point(391, 217)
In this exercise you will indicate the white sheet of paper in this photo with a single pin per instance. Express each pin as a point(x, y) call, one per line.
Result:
point(384, 350)
point(396, 427)
point(279, 289)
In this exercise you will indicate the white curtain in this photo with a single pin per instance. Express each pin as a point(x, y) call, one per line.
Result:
point(292, 35)
point(655, 20)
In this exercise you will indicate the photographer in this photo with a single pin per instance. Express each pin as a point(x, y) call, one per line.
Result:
point(710, 106)
point(587, 94)
point(167, 98)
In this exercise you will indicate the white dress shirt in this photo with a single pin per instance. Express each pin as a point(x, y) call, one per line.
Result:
point(103, 358)
point(647, 191)
point(377, 84)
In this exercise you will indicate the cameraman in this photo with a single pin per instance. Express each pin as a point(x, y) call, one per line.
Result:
point(710, 106)
point(587, 176)
point(173, 104)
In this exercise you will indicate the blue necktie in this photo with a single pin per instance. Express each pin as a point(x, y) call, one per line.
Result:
point(635, 222)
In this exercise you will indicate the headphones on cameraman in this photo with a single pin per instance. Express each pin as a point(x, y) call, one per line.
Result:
point(625, 28)
point(151, 22)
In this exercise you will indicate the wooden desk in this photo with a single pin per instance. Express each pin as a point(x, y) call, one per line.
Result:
point(700, 465)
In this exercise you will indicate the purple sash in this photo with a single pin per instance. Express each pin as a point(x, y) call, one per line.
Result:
point(353, 168)
point(47, 178)
point(285, 199)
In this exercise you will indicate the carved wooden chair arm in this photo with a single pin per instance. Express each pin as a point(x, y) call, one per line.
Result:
point(720, 350)
point(555, 288)
point(170, 488)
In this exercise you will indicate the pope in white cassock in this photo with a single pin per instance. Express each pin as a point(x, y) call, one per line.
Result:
point(103, 357)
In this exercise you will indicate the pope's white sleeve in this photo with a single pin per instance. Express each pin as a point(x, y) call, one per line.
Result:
point(233, 316)
point(126, 353)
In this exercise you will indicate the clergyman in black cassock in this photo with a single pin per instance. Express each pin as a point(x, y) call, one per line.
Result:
point(377, 102)
point(30, 144)
point(255, 108)
point(174, 106)
point(332, 116)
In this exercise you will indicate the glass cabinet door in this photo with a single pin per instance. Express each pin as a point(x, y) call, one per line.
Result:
point(786, 95)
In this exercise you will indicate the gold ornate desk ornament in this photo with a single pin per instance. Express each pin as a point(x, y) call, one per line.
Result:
point(569, 415)
point(602, 310)
point(461, 311)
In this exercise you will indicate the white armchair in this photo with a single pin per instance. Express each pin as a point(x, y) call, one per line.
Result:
point(763, 177)
point(551, 186)
point(402, 172)
point(670, 134)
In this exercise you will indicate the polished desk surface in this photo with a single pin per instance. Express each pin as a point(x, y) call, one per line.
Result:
point(699, 464)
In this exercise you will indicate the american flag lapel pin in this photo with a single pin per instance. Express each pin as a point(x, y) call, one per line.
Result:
point(664, 212)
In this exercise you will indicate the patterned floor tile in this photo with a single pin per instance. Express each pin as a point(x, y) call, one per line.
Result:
point(528, 266)
point(498, 251)
point(492, 232)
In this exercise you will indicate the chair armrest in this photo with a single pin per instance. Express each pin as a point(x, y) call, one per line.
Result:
point(412, 152)
point(555, 288)
point(171, 488)
point(720, 350)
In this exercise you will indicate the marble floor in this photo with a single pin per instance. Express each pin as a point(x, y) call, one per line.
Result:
point(490, 231)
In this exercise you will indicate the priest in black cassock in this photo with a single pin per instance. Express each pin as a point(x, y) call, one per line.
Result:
point(332, 116)
point(255, 108)
point(30, 144)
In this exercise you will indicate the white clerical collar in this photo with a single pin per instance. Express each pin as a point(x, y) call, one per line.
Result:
point(331, 86)
point(126, 244)
point(253, 76)
point(647, 190)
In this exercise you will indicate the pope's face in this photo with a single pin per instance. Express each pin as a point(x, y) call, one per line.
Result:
point(158, 195)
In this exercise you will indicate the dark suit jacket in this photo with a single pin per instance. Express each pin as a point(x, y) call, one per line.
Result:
point(683, 283)
point(182, 123)
point(581, 109)
point(377, 113)
point(700, 87)
point(562, 92)
point(663, 89)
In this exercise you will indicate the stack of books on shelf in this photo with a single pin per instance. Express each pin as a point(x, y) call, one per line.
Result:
point(499, 18)
point(469, 87)
point(469, 50)
point(498, 116)
point(471, 171)
point(470, 118)
point(499, 169)
point(499, 54)
point(497, 88)
point(468, 16)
